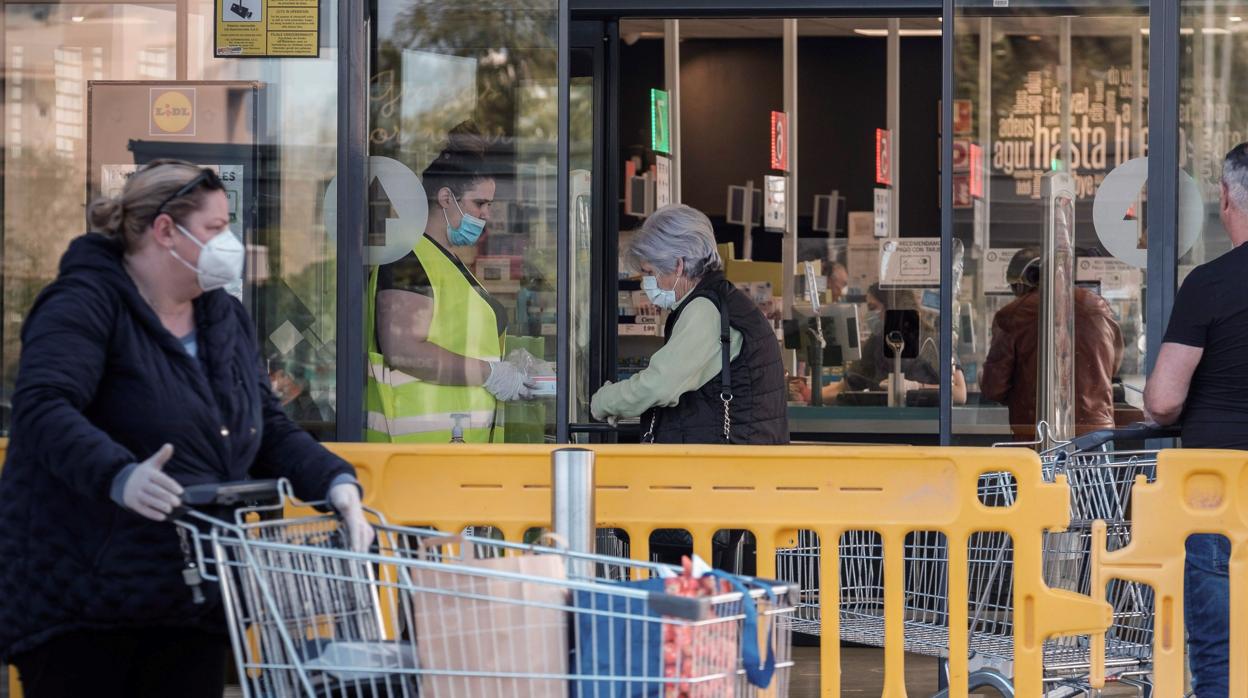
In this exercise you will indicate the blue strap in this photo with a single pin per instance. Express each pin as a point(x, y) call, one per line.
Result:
point(758, 673)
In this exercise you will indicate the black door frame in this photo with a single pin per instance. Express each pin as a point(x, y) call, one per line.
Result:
point(601, 36)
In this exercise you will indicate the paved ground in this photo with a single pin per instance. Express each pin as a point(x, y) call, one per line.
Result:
point(862, 674)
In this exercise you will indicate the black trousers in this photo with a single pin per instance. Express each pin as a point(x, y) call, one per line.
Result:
point(131, 663)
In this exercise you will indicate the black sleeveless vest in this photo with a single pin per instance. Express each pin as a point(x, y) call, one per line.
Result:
point(758, 410)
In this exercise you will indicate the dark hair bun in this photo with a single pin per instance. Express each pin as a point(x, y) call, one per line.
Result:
point(105, 215)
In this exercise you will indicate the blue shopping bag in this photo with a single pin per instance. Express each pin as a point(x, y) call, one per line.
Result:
point(758, 673)
point(618, 636)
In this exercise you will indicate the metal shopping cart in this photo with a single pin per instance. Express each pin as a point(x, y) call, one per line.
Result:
point(1100, 480)
point(462, 616)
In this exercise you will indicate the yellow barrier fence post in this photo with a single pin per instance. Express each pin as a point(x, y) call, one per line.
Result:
point(1196, 491)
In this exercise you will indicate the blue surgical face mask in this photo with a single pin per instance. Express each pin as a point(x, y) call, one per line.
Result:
point(662, 297)
point(468, 231)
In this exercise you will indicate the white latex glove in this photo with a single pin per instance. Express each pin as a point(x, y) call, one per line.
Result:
point(507, 382)
point(149, 492)
point(531, 365)
point(345, 498)
point(906, 385)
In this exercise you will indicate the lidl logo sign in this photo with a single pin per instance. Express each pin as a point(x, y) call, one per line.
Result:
point(173, 112)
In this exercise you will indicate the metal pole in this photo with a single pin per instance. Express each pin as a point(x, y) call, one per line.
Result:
point(572, 499)
point(893, 117)
point(985, 138)
point(1163, 168)
point(563, 238)
point(671, 80)
point(747, 208)
point(946, 224)
point(788, 254)
point(1064, 77)
point(352, 205)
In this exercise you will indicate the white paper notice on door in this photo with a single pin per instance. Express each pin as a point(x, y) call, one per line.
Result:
point(883, 206)
point(996, 263)
point(910, 263)
point(1117, 279)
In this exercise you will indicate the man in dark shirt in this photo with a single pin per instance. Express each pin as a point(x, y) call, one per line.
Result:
point(1201, 376)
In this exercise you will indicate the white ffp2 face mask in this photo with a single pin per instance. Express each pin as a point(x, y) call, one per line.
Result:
point(220, 259)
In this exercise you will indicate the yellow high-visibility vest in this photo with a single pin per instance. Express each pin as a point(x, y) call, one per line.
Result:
point(403, 408)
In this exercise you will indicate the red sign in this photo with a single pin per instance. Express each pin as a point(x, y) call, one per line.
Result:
point(780, 141)
point(977, 171)
point(883, 157)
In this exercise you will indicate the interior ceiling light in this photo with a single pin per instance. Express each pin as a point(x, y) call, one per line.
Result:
point(77, 18)
point(1235, 18)
point(1033, 37)
point(902, 32)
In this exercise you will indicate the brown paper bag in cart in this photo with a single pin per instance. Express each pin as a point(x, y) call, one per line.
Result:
point(501, 629)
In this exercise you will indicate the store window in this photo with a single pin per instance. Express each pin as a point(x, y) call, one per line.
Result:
point(461, 302)
point(1049, 140)
point(82, 81)
point(1213, 117)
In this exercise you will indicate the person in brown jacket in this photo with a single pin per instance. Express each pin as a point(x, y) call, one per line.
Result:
point(1009, 373)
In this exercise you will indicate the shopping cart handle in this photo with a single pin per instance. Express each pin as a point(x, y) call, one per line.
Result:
point(1135, 432)
point(228, 494)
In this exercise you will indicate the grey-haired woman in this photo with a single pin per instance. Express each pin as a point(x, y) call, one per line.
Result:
point(718, 377)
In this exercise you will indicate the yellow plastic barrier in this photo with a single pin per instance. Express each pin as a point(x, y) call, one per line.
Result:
point(773, 492)
point(1196, 491)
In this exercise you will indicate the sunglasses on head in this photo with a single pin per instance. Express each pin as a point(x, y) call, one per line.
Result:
point(206, 177)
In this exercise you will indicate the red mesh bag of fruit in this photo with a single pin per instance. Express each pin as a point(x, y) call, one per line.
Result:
point(695, 650)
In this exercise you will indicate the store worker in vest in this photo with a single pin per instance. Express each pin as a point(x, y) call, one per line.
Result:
point(436, 355)
point(139, 376)
point(719, 376)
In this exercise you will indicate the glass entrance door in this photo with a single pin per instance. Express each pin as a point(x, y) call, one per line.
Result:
point(1049, 148)
point(461, 249)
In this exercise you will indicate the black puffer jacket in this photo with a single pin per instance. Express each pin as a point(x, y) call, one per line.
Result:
point(759, 407)
point(103, 384)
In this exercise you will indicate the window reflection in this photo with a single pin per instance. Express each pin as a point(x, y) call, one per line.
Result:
point(1213, 113)
point(71, 129)
point(461, 306)
point(1049, 125)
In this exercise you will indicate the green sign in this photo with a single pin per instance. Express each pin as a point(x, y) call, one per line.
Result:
point(660, 122)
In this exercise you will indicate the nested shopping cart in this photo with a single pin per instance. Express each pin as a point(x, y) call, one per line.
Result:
point(443, 616)
point(1100, 481)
